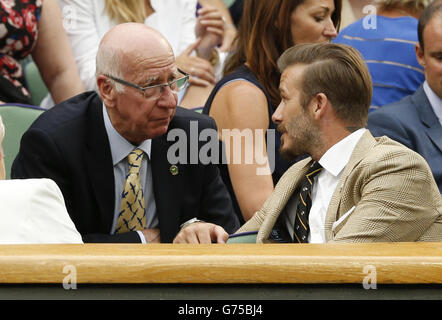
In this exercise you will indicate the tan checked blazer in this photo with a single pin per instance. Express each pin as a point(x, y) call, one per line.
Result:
point(386, 193)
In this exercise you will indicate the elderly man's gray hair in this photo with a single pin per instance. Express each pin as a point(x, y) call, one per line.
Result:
point(109, 62)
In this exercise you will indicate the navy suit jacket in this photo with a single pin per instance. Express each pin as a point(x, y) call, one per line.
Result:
point(412, 122)
point(69, 144)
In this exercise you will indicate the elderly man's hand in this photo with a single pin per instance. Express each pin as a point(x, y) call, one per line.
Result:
point(202, 232)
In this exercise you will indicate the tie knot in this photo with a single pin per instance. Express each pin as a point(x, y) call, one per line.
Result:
point(314, 170)
point(134, 159)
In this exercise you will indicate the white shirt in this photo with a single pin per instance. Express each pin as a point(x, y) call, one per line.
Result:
point(435, 101)
point(120, 149)
point(333, 162)
point(33, 211)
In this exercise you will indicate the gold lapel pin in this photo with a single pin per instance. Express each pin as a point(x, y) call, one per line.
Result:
point(174, 170)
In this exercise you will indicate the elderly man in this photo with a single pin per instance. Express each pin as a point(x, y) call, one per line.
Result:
point(109, 152)
point(416, 120)
point(353, 187)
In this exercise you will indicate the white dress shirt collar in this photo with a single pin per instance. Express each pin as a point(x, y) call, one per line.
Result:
point(120, 147)
point(435, 101)
point(337, 157)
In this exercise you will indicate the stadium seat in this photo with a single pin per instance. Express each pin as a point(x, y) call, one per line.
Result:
point(34, 82)
point(244, 237)
point(17, 118)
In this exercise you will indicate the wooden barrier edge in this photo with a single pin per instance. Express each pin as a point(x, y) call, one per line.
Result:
point(389, 263)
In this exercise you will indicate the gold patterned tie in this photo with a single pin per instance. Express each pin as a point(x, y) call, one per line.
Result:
point(132, 215)
point(301, 227)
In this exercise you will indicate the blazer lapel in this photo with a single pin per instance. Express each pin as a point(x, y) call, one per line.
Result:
point(273, 207)
point(428, 117)
point(166, 186)
point(98, 160)
point(364, 146)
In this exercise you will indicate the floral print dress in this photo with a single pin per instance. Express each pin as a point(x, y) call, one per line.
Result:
point(18, 35)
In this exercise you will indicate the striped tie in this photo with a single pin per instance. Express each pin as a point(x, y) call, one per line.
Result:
point(301, 227)
point(132, 214)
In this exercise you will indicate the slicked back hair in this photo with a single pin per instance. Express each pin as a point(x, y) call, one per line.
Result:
point(339, 72)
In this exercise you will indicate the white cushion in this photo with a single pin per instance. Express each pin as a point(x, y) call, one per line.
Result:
point(33, 211)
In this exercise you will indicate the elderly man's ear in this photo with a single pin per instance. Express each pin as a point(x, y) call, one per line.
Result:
point(107, 90)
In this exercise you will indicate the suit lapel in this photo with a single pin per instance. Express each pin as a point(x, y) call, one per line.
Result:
point(277, 202)
point(364, 146)
point(166, 188)
point(98, 161)
point(290, 180)
point(428, 117)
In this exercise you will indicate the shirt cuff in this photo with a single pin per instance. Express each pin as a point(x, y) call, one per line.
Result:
point(142, 238)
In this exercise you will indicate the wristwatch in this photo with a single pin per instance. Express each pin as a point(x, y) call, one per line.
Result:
point(193, 220)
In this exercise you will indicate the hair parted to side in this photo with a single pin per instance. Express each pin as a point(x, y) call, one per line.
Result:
point(339, 72)
point(435, 8)
point(264, 33)
point(126, 11)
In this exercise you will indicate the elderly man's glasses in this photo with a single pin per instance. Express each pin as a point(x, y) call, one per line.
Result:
point(154, 92)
